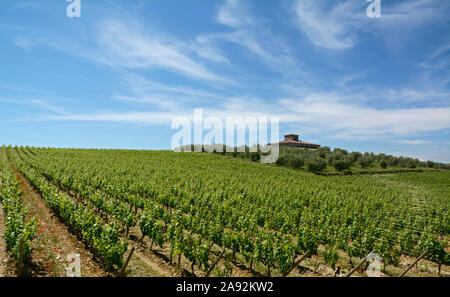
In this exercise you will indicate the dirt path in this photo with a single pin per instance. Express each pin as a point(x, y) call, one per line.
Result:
point(145, 263)
point(142, 264)
point(53, 241)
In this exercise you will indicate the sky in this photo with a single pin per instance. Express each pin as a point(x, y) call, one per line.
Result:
point(118, 76)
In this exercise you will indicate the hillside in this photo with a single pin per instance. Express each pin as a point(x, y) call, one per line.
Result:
point(191, 207)
point(326, 161)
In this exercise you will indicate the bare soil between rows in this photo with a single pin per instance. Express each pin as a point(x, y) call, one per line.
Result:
point(53, 241)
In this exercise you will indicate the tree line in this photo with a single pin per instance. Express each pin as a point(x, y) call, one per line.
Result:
point(318, 160)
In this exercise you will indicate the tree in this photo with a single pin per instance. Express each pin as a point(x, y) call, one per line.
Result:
point(410, 163)
point(255, 156)
point(342, 164)
point(281, 161)
point(383, 164)
point(364, 161)
point(330, 158)
point(355, 156)
point(323, 151)
point(392, 161)
point(315, 164)
point(296, 162)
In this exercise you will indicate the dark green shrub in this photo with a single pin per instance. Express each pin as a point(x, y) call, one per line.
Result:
point(315, 164)
point(296, 162)
point(330, 158)
point(392, 161)
point(342, 164)
point(364, 161)
point(281, 161)
point(355, 156)
point(411, 164)
point(255, 157)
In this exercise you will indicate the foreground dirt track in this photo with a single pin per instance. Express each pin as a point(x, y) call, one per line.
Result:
point(53, 241)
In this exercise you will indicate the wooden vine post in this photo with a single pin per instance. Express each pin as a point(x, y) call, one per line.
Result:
point(20, 263)
point(215, 263)
point(297, 263)
point(122, 271)
point(357, 266)
point(415, 262)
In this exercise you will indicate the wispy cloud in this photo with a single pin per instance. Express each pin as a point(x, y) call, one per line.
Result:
point(47, 106)
point(130, 48)
point(414, 141)
point(139, 84)
point(339, 26)
point(137, 117)
point(330, 113)
point(25, 43)
point(432, 97)
point(438, 152)
point(351, 120)
point(253, 35)
point(37, 103)
point(439, 59)
point(327, 27)
point(436, 66)
point(205, 49)
point(142, 90)
point(410, 14)
point(234, 14)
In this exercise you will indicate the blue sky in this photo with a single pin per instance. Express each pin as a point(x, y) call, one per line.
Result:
point(117, 76)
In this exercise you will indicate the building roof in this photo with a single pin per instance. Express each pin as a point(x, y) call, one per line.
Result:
point(295, 142)
point(293, 139)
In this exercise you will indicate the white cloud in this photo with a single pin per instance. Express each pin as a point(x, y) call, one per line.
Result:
point(145, 91)
point(436, 66)
point(414, 141)
point(139, 84)
point(438, 59)
point(160, 101)
point(127, 45)
point(38, 103)
point(205, 49)
point(327, 27)
point(330, 113)
point(437, 152)
point(25, 43)
point(253, 35)
point(409, 14)
point(349, 120)
point(233, 14)
point(143, 117)
point(338, 26)
point(410, 95)
point(129, 48)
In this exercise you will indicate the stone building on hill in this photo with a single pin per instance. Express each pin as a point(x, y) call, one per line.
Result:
point(294, 141)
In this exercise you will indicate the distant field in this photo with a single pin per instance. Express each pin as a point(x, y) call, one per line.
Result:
point(189, 209)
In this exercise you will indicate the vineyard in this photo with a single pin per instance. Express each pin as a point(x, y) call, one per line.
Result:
point(209, 215)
